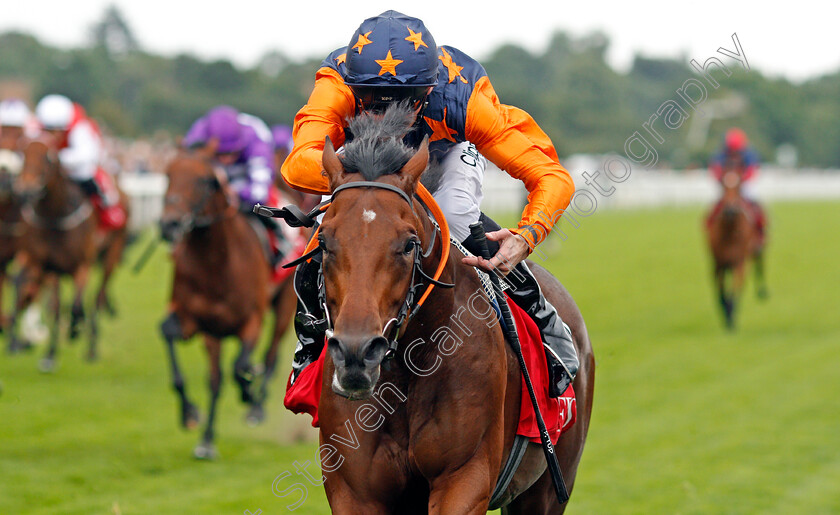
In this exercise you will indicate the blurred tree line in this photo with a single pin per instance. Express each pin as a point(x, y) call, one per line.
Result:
point(579, 100)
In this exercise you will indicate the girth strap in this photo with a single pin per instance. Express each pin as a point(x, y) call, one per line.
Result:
point(517, 451)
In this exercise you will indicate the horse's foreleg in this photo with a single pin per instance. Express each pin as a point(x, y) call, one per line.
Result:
point(243, 370)
point(77, 311)
point(736, 288)
point(112, 257)
point(27, 283)
point(172, 332)
point(206, 450)
point(465, 490)
point(3, 319)
point(760, 282)
point(724, 296)
point(47, 363)
point(284, 309)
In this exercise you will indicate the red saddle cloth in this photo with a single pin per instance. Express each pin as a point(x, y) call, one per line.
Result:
point(559, 414)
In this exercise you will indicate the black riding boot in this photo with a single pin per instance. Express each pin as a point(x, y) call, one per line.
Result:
point(557, 338)
point(92, 189)
point(310, 320)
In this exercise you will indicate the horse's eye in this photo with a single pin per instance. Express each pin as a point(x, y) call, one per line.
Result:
point(409, 246)
point(322, 244)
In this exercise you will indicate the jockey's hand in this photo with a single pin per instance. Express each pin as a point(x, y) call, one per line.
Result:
point(513, 249)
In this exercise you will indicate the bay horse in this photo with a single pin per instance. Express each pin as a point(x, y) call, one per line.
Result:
point(221, 287)
point(11, 226)
point(733, 238)
point(61, 238)
point(436, 442)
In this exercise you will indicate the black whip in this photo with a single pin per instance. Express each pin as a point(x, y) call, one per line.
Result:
point(477, 232)
point(147, 253)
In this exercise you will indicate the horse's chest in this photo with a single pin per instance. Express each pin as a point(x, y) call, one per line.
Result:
point(59, 251)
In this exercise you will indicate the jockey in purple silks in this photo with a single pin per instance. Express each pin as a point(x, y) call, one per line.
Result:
point(245, 151)
point(283, 143)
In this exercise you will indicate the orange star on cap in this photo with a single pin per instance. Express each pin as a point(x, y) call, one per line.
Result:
point(363, 40)
point(341, 59)
point(417, 39)
point(389, 64)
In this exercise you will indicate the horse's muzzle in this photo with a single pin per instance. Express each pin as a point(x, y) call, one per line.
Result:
point(171, 229)
point(356, 365)
point(28, 195)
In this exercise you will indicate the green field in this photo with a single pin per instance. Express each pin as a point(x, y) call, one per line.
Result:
point(688, 418)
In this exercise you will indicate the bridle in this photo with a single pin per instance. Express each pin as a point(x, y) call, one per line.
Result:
point(419, 277)
point(66, 222)
point(193, 219)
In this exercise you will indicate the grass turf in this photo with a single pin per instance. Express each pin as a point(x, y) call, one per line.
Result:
point(688, 418)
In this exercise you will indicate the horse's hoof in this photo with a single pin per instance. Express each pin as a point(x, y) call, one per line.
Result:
point(205, 451)
point(255, 416)
point(92, 357)
point(72, 334)
point(46, 365)
point(190, 418)
point(109, 309)
point(763, 294)
point(16, 346)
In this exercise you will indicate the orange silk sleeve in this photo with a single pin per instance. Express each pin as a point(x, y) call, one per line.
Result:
point(330, 103)
point(513, 141)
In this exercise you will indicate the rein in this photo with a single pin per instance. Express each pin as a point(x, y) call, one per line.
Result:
point(67, 222)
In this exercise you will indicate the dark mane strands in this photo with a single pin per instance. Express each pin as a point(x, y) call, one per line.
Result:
point(377, 148)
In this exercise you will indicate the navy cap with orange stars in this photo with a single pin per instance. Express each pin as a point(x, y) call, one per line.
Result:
point(392, 49)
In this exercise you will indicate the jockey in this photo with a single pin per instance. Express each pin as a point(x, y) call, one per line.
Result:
point(16, 121)
point(737, 153)
point(282, 135)
point(393, 57)
point(80, 151)
point(245, 151)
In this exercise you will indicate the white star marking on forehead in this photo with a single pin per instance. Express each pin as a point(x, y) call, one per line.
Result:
point(368, 216)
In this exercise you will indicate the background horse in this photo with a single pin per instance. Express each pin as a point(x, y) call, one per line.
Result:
point(733, 238)
point(443, 419)
point(11, 227)
point(221, 287)
point(61, 238)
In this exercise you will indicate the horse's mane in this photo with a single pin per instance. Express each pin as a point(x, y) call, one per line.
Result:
point(377, 147)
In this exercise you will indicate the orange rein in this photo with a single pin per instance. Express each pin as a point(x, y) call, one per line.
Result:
point(437, 214)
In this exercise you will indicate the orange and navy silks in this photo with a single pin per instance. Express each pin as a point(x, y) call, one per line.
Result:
point(462, 107)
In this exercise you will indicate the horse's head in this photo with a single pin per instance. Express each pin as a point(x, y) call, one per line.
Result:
point(732, 200)
point(371, 238)
point(10, 166)
point(40, 167)
point(195, 194)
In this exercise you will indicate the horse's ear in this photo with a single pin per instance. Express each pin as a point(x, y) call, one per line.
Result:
point(333, 168)
point(415, 166)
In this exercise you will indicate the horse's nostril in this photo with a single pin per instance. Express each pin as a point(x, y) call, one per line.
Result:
point(375, 350)
point(336, 349)
point(168, 228)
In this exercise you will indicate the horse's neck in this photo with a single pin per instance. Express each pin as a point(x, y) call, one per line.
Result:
point(212, 245)
point(8, 207)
